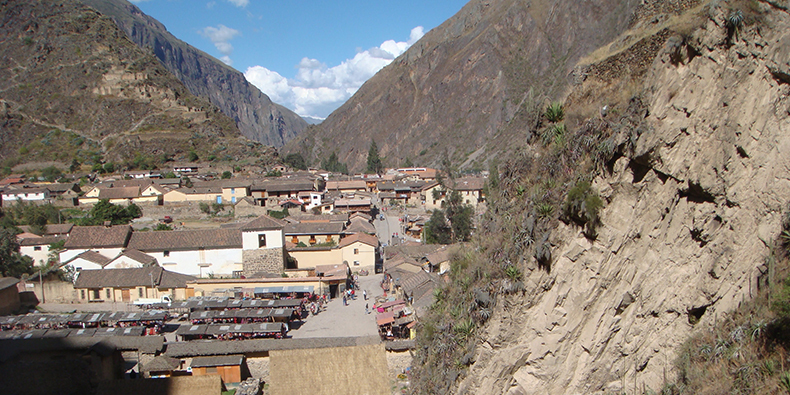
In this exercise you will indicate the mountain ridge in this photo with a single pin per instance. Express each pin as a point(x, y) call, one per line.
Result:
point(257, 117)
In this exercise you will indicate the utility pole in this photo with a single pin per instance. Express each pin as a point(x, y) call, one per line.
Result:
point(41, 284)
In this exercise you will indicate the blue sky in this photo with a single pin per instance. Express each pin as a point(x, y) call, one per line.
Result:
point(309, 56)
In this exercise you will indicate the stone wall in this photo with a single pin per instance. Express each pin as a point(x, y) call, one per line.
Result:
point(268, 260)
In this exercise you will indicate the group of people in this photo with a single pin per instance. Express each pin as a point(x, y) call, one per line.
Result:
point(351, 293)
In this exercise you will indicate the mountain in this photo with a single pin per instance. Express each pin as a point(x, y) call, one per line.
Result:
point(74, 86)
point(255, 114)
point(658, 206)
point(470, 86)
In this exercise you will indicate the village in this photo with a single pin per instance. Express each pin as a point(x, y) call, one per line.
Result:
point(252, 275)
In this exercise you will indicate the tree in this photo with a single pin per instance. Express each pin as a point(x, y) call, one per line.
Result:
point(187, 182)
point(192, 156)
point(334, 165)
point(459, 215)
point(226, 175)
point(436, 229)
point(51, 173)
point(104, 211)
point(295, 161)
point(374, 161)
point(12, 263)
point(109, 167)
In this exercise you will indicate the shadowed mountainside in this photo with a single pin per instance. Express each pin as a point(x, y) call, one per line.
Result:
point(471, 86)
point(74, 87)
point(255, 114)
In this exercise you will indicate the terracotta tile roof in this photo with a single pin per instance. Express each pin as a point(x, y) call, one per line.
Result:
point(119, 193)
point(139, 256)
point(359, 237)
point(264, 222)
point(352, 202)
point(40, 241)
point(314, 228)
point(92, 256)
point(52, 229)
point(346, 185)
point(98, 236)
point(361, 225)
point(7, 282)
point(185, 240)
point(127, 278)
point(469, 184)
point(284, 186)
point(321, 218)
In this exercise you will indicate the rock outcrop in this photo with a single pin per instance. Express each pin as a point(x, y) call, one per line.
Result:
point(688, 223)
point(256, 116)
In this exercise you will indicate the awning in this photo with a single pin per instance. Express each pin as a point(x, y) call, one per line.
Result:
point(286, 289)
point(385, 318)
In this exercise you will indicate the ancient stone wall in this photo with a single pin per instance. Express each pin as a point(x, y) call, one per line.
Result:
point(269, 260)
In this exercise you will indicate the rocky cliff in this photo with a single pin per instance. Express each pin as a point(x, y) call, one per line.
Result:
point(74, 87)
point(471, 86)
point(255, 114)
point(693, 201)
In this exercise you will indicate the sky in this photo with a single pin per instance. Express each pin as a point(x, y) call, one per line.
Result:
point(308, 55)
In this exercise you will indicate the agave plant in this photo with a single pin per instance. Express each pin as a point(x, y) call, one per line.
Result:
point(555, 112)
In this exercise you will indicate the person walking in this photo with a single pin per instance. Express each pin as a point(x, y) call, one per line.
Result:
point(345, 301)
point(365, 294)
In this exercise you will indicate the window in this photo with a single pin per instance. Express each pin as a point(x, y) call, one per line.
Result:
point(166, 253)
point(109, 296)
point(140, 292)
point(96, 294)
point(261, 240)
point(37, 248)
point(82, 293)
point(356, 251)
point(237, 273)
point(233, 191)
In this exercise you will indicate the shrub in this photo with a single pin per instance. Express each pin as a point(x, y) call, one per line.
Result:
point(513, 273)
point(555, 112)
point(226, 175)
point(160, 227)
point(582, 204)
point(204, 207)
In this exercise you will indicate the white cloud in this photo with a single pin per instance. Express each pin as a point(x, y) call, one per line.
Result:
point(137, 1)
point(239, 3)
point(211, 4)
point(227, 60)
point(220, 36)
point(317, 90)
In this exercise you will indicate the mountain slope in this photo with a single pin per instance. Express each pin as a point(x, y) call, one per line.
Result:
point(74, 87)
point(255, 114)
point(471, 86)
point(694, 191)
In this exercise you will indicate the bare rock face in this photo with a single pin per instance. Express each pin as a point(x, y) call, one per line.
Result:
point(256, 116)
point(686, 228)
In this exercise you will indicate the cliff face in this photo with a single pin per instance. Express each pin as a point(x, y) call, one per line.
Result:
point(687, 224)
point(74, 87)
point(471, 86)
point(255, 114)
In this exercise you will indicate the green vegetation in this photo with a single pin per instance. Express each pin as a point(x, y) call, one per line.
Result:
point(192, 156)
point(374, 161)
point(161, 227)
point(12, 263)
point(555, 112)
point(104, 211)
point(226, 175)
point(453, 224)
point(582, 206)
point(278, 214)
point(334, 165)
point(295, 161)
point(273, 173)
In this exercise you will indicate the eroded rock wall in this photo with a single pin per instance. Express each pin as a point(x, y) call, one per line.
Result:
point(687, 226)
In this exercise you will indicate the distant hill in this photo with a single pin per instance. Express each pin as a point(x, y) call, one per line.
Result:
point(470, 85)
point(255, 114)
point(73, 86)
